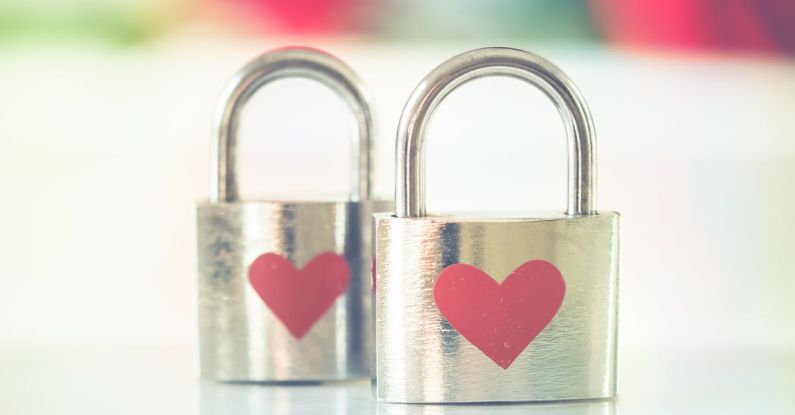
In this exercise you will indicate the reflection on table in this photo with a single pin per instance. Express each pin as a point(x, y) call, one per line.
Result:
point(357, 398)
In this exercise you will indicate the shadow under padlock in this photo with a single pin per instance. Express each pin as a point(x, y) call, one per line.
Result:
point(495, 309)
point(284, 286)
point(351, 398)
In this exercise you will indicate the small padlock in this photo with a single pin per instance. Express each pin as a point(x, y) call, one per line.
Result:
point(494, 309)
point(284, 287)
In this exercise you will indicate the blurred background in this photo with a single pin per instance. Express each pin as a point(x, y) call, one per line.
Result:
point(105, 115)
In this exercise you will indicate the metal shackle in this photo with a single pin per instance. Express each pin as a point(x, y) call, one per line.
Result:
point(278, 64)
point(478, 63)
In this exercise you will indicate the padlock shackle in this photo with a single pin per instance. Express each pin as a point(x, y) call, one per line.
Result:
point(478, 63)
point(278, 64)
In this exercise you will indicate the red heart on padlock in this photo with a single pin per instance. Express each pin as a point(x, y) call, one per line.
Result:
point(500, 319)
point(299, 298)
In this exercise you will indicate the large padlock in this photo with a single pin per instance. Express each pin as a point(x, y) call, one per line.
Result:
point(284, 286)
point(485, 309)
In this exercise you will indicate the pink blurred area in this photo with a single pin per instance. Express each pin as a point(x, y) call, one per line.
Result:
point(294, 16)
point(766, 26)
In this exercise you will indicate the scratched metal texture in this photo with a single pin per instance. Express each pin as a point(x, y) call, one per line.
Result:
point(421, 358)
point(240, 339)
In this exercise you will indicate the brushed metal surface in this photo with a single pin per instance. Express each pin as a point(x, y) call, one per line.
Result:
point(421, 358)
point(586, 407)
point(240, 338)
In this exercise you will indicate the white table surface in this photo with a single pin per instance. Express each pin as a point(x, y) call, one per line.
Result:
point(164, 382)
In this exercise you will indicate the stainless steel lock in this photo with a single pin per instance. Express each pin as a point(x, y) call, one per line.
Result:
point(480, 309)
point(284, 287)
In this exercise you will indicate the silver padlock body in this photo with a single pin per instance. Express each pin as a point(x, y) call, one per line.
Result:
point(422, 358)
point(240, 336)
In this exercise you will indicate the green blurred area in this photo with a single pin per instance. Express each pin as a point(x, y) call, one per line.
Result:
point(114, 21)
point(114, 27)
point(527, 19)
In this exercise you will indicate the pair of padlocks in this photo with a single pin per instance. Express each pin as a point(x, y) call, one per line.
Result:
point(459, 309)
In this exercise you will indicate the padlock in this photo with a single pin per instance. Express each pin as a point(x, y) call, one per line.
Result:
point(478, 308)
point(284, 286)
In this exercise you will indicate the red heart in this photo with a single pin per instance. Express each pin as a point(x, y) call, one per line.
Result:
point(500, 319)
point(299, 297)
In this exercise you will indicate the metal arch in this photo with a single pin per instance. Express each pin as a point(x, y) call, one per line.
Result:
point(283, 63)
point(431, 91)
